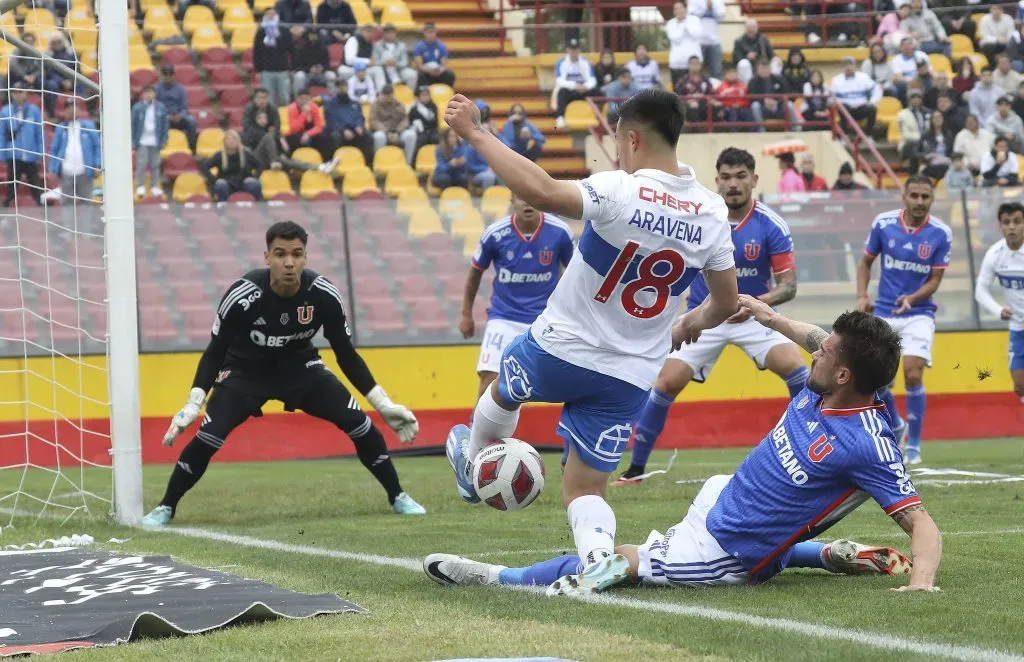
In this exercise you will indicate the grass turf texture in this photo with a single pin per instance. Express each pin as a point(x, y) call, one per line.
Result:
point(335, 504)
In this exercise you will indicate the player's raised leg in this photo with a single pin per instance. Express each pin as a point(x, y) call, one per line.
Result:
point(849, 558)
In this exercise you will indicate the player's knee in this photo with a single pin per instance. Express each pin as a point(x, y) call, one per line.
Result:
point(486, 378)
point(673, 379)
point(913, 376)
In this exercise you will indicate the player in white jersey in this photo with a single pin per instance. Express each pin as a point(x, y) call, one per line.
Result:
point(1005, 261)
point(650, 228)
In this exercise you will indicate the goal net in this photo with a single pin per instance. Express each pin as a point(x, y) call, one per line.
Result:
point(67, 322)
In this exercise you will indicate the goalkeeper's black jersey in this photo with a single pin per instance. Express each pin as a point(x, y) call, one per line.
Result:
point(257, 331)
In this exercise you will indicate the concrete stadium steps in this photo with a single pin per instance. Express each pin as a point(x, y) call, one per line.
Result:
point(438, 10)
point(465, 26)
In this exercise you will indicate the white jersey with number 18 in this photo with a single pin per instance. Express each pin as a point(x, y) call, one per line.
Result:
point(646, 236)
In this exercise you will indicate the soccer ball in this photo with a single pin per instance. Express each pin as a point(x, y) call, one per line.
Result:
point(508, 475)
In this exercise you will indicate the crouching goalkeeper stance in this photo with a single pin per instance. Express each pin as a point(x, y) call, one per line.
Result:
point(261, 349)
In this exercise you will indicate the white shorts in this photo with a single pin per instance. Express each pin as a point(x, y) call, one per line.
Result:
point(917, 333)
point(687, 555)
point(497, 335)
point(755, 341)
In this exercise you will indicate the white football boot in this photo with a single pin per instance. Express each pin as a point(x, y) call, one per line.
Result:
point(851, 558)
point(451, 570)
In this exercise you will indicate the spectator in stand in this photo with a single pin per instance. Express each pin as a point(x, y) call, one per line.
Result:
point(696, 84)
point(953, 114)
point(888, 34)
point(345, 124)
point(293, 12)
point(772, 107)
point(149, 135)
point(936, 148)
point(358, 50)
point(336, 22)
point(858, 93)
point(173, 96)
point(481, 177)
point(710, 13)
point(1007, 124)
point(750, 47)
point(790, 180)
point(839, 31)
point(941, 86)
point(451, 167)
point(965, 78)
point(957, 19)
point(1015, 49)
point(984, 96)
point(999, 166)
point(996, 29)
point(312, 61)
point(75, 158)
point(423, 117)
point(905, 66)
point(306, 125)
point(924, 79)
point(817, 99)
point(487, 123)
point(924, 26)
point(796, 72)
point(55, 82)
point(260, 103)
point(913, 121)
point(684, 32)
point(877, 67)
point(430, 57)
point(605, 72)
point(392, 61)
point(24, 67)
point(958, 177)
point(253, 133)
point(271, 149)
point(1004, 76)
point(621, 89)
point(812, 181)
point(237, 170)
point(646, 73)
point(973, 142)
point(272, 57)
point(731, 94)
point(845, 181)
point(1018, 102)
point(359, 85)
point(574, 79)
point(390, 124)
point(522, 136)
point(21, 144)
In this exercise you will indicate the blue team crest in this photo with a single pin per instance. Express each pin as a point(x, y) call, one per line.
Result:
point(751, 250)
point(803, 402)
point(924, 251)
point(545, 257)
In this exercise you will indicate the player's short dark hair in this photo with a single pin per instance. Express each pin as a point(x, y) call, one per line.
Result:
point(656, 109)
point(736, 157)
point(1009, 209)
point(286, 230)
point(869, 347)
point(918, 179)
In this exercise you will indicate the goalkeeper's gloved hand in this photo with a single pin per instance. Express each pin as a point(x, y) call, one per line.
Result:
point(398, 417)
point(184, 418)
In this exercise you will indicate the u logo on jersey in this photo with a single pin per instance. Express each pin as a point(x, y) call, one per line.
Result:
point(819, 449)
point(924, 250)
point(305, 314)
point(751, 250)
point(545, 257)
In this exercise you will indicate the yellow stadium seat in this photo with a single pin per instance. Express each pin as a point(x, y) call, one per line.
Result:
point(273, 182)
point(579, 116)
point(260, 6)
point(165, 31)
point(224, 5)
point(979, 60)
point(138, 58)
point(206, 37)
point(892, 134)
point(145, 5)
point(398, 15)
point(441, 94)
point(79, 21)
point(423, 222)
point(495, 202)
point(411, 200)
point(38, 17)
point(210, 142)
point(888, 108)
point(158, 15)
point(469, 245)
point(381, 4)
point(400, 179)
point(282, 114)
point(235, 17)
point(362, 13)
point(243, 37)
point(349, 159)
point(197, 16)
point(388, 158)
point(426, 160)
point(307, 155)
point(83, 40)
point(404, 95)
point(468, 224)
point(939, 63)
point(88, 62)
point(188, 184)
point(358, 181)
point(454, 201)
point(8, 21)
point(961, 44)
point(314, 182)
point(177, 143)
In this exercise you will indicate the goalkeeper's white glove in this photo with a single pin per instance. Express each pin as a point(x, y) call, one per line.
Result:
point(184, 418)
point(398, 417)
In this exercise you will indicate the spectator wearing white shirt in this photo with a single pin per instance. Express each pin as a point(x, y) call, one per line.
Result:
point(1004, 76)
point(574, 80)
point(999, 166)
point(684, 31)
point(646, 73)
point(877, 66)
point(984, 96)
point(973, 142)
point(904, 66)
point(75, 157)
point(995, 29)
point(392, 61)
point(711, 13)
point(360, 85)
point(858, 93)
point(358, 48)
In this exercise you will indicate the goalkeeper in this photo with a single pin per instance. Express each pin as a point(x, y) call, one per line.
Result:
point(261, 349)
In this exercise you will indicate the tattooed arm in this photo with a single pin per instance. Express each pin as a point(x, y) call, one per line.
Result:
point(784, 290)
point(925, 547)
point(806, 335)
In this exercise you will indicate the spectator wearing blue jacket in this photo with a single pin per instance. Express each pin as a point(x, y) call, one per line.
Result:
point(620, 89)
point(21, 143)
point(75, 157)
point(522, 136)
point(149, 136)
point(480, 174)
point(452, 168)
point(55, 82)
point(174, 97)
point(345, 124)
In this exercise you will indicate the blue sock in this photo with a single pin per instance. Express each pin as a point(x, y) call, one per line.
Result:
point(543, 573)
point(649, 427)
point(887, 398)
point(795, 380)
point(915, 417)
point(807, 555)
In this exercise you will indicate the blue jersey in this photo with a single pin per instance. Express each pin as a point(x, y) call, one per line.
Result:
point(814, 468)
point(762, 246)
point(908, 257)
point(527, 269)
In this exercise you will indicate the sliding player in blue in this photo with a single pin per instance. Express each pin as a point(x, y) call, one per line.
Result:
point(831, 450)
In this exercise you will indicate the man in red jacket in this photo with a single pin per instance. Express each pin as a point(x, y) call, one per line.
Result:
point(812, 181)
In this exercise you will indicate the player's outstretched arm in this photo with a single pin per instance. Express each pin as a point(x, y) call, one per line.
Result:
point(925, 547)
point(806, 335)
point(719, 306)
point(523, 177)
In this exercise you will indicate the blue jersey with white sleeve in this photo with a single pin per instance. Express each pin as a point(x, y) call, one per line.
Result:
point(815, 467)
point(527, 268)
point(762, 245)
point(908, 257)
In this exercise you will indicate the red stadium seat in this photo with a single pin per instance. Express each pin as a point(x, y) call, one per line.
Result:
point(197, 98)
point(336, 52)
point(206, 120)
point(176, 55)
point(371, 195)
point(371, 287)
point(214, 56)
point(233, 117)
point(241, 196)
point(246, 60)
point(187, 75)
point(425, 317)
point(416, 288)
point(140, 78)
point(285, 196)
point(323, 196)
point(439, 244)
point(225, 77)
point(175, 164)
point(381, 316)
point(234, 98)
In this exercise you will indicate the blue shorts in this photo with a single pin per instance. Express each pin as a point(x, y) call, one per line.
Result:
point(599, 410)
point(1016, 350)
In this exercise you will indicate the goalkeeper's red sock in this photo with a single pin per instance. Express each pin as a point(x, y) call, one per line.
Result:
point(373, 453)
point(190, 468)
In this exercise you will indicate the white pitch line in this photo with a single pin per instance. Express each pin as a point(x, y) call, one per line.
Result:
point(861, 637)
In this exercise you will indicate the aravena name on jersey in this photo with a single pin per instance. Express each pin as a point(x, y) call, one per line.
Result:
point(527, 267)
point(763, 246)
point(815, 467)
point(908, 256)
